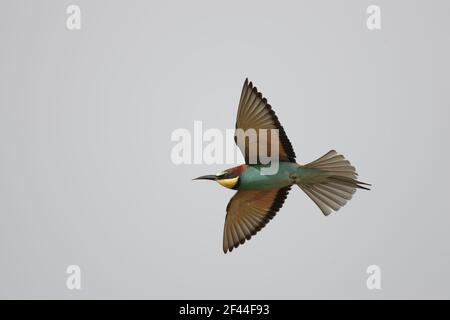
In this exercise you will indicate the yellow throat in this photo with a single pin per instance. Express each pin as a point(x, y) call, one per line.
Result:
point(228, 183)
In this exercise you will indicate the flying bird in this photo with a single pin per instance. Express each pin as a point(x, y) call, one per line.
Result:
point(329, 181)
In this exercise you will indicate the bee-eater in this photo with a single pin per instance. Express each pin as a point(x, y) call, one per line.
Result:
point(329, 181)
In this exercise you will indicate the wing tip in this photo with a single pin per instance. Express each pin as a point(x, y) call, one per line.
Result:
point(287, 146)
point(278, 202)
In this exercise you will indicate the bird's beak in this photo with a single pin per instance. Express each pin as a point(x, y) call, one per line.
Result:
point(207, 177)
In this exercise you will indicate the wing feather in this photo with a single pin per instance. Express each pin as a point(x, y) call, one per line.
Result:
point(255, 113)
point(248, 212)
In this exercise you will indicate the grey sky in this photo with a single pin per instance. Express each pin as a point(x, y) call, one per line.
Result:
point(85, 124)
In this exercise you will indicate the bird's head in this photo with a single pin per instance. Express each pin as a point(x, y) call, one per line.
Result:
point(228, 178)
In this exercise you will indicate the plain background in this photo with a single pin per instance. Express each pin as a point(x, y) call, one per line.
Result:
point(86, 176)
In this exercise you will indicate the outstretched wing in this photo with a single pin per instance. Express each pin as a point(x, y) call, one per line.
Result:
point(255, 113)
point(248, 212)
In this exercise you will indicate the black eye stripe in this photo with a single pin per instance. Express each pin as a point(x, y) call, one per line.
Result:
point(226, 175)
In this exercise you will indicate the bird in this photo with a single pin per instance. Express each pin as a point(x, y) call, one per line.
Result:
point(330, 181)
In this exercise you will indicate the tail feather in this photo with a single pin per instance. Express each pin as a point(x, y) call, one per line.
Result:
point(335, 184)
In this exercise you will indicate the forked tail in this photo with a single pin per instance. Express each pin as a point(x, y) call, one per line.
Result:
point(334, 184)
